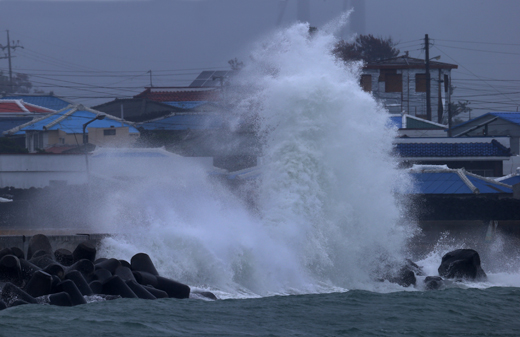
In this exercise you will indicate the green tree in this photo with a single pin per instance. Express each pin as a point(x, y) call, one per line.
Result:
point(235, 64)
point(459, 108)
point(367, 48)
point(21, 83)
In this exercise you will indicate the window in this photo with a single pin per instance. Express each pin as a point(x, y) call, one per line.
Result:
point(366, 83)
point(393, 83)
point(109, 132)
point(384, 72)
point(420, 82)
point(446, 83)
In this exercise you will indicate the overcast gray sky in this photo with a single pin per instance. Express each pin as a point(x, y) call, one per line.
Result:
point(91, 51)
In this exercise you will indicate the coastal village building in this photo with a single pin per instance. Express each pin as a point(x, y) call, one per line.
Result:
point(63, 130)
point(15, 112)
point(400, 85)
point(484, 156)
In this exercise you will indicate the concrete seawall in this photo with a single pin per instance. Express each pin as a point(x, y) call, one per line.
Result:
point(66, 241)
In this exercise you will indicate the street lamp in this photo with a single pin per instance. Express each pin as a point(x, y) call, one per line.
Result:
point(85, 141)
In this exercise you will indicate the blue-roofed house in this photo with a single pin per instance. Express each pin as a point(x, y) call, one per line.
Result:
point(64, 129)
point(484, 156)
point(444, 181)
point(47, 101)
point(492, 124)
point(411, 126)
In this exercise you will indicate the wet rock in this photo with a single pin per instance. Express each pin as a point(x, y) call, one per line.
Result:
point(64, 257)
point(203, 294)
point(38, 242)
point(11, 270)
point(142, 262)
point(40, 284)
point(433, 282)
point(462, 264)
point(12, 293)
point(85, 250)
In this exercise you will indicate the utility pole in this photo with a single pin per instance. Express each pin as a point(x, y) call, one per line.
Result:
point(150, 72)
point(428, 79)
point(9, 47)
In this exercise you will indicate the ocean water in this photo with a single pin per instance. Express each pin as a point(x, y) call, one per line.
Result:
point(298, 251)
point(453, 312)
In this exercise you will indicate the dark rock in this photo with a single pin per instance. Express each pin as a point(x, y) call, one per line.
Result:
point(84, 266)
point(102, 275)
point(433, 282)
point(96, 286)
point(203, 294)
point(156, 292)
point(139, 290)
point(173, 288)
point(11, 293)
point(462, 264)
point(61, 299)
point(111, 265)
point(77, 277)
point(125, 263)
point(28, 269)
point(18, 252)
point(38, 254)
point(55, 269)
point(64, 257)
point(124, 273)
point(116, 286)
point(145, 278)
point(85, 250)
point(5, 251)
point(142, 262)
point(42, 261)
point(40, 284)
point(70, 288)
point(2, 305)
point(38, 242)
point(11, 270)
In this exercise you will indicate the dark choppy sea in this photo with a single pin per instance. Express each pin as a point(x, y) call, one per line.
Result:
point(451, 312)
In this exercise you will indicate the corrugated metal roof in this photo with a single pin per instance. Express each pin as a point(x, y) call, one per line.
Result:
point(450, 181)
point(184, 122)
point(511, 180)
point(491, 149)
point(49, 102)
point(513, 117)
point(71, 120)
point(9, 123)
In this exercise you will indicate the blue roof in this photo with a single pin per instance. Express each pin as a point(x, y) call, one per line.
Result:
point(396, 121)
point(7, 123)
point(49, 102)
point(511, 180)
point(513, 117)
point(491, 149)
point(450, 182)
point(74, 122)
point(184, 122)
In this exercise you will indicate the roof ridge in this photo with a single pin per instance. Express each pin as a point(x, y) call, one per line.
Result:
point(462, 174)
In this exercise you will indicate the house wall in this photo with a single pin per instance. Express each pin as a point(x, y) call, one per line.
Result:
point(111, 137)
point(409, 101)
